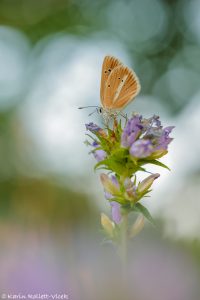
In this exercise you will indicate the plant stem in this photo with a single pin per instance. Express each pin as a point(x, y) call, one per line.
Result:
point(123, 245)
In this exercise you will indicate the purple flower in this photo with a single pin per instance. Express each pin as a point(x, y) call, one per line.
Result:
point(164, 138)
point(156, 121)
point(131, 131)
point(92, 127)
point(141, 148)
point(152, 122)
point(98, 154)
point(154, 138)
point(115, 206)
point(116, 213)
point(95, 144)
point(115, 181)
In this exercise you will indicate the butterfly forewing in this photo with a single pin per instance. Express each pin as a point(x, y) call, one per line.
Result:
point(121, 87)
point(109, 64)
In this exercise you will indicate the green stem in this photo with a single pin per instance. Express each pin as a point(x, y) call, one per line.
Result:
point(123, 244)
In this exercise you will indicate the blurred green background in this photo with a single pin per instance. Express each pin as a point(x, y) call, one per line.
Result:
point(51, 53)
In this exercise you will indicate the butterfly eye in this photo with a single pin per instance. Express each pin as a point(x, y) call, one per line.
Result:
point(109, 70)
point(109, 85)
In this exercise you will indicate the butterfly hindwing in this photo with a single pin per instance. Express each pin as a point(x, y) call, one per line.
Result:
point(121, 86)
point(109, 63)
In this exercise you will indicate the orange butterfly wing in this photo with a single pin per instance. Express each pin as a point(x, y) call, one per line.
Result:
point(121, 86)
point(109, 63)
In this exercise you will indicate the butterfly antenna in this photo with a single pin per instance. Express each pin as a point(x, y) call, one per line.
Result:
point(81, 107)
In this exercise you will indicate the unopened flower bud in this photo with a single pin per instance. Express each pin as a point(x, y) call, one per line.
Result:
point(137, 226)
point(147, 183)
point(107, 224)
point(109, 185)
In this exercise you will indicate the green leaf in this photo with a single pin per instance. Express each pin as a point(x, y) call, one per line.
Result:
point(110, 131)
point(116, 166)
point(112, 165)
point(132, 168)
point(95, 149)
point(100, 163)
point(87, 143)
point(154, 162)
point(120, 200)
point(102, 168)
point(118, 131)
point(91, 137)
point(141, 169)
point(120, 152)
point(158, 163)
point(143, 210)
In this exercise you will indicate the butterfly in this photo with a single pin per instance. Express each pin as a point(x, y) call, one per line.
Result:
point(119, 86)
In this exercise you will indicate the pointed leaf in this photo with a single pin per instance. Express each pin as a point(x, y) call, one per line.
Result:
point(154, 162)
point(120, 200)
point(100, 163)
point(158, 163)
point(91, 137)
point(142, 209)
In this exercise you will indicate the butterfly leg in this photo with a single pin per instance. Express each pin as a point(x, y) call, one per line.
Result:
point(124, 116)
point(93, 112)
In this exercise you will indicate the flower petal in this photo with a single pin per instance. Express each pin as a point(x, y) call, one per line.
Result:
point(116, 213)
